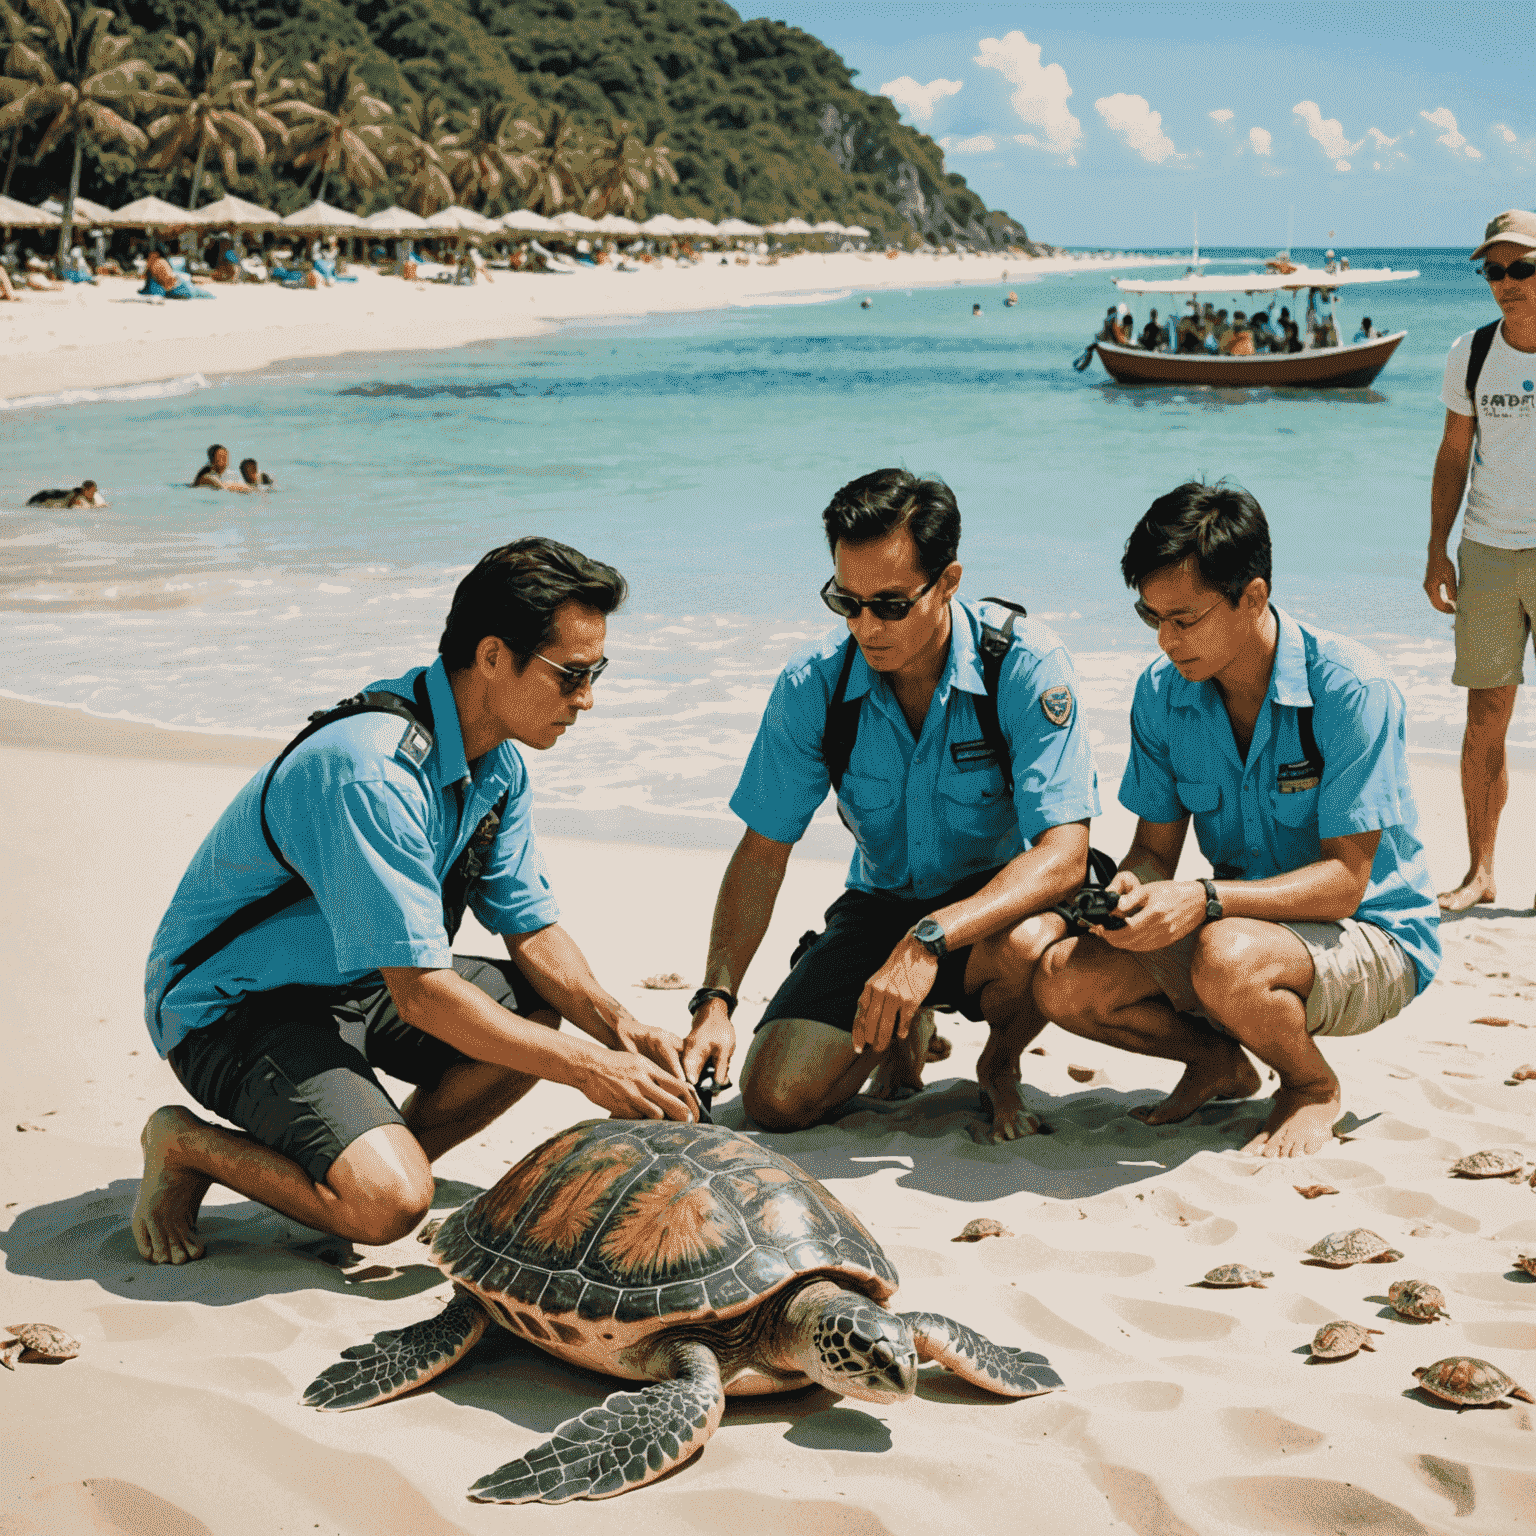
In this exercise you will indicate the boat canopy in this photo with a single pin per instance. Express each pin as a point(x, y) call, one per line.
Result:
point(1264, 282)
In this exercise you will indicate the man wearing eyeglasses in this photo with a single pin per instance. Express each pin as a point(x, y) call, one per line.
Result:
point(1285, 745)
point(1493, 595)
point(949, 872)
point(309, 943)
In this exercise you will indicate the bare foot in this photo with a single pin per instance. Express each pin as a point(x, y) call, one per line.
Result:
point(900, 1075)
point(1300, 1124)
point(1472, 892)
point(998, 1077)
point(165, 1214)
point(1223, 1072)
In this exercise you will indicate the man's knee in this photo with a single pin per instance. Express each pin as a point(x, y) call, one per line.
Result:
point(1236, 960)
point(775, 1102)
point(1061, 988)
point(384, 1183)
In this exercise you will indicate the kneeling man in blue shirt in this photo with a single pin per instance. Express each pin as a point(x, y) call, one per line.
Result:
point(310, 940)
point(1286, 746)
point(951, 870)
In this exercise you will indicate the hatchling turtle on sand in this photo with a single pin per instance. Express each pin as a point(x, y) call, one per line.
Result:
point(983, 1226)
point(1469, 1383)
point(41, 1339)
point(1495, 1163)
point(686, 1256)
point(1417, 1298)
point(1340, 1339)
point(1238, 1274)
point(1357, 1246)
point(1527, 1262)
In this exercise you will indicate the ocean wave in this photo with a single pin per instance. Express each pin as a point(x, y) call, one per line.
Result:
point(110, 394)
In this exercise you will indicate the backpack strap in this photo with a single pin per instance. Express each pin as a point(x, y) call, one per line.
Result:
point(842, 728)
point(1309, 745)
point(1482, 343)
point(994, 647)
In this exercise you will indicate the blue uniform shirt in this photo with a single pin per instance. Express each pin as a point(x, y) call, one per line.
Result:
point(373, 835)
point(926, 813)
point(1268, 815)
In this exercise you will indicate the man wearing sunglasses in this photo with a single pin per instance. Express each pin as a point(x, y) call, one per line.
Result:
point(1493, 594)
point(949, 871)
point(1285, 745)
point(309, 943)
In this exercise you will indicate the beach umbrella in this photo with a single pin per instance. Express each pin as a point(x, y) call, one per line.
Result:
point(322, 216)
point(617, 224)
point(829, 227)
point(463, 221)
point(575, 223)
point(739, 228)
point(86, 212)
point(395, 220)
point(698, 227)
point(231, 212)
point(661, 224)
point(152, 213)
point(526, 221)
point(857, 231)
point(14, 215)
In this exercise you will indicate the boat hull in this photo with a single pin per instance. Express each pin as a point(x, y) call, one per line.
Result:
point(1352, 367)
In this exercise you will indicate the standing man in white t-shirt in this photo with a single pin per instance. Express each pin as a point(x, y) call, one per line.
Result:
point(1492, 427)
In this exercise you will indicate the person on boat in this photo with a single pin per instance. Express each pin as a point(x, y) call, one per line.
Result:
point(952, 872)
point(1286, 746)
point(1263, 331)
point(309, 944)
point(1152, 338)
point(1492, 586)
point(1367, 331)
point(1242, 338)
point(1110, 330)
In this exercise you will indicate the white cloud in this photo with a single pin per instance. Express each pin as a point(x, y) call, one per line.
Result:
point(1261, 139)
point(1341, 165)
point(1328, 131)
point(1221, 115)
point(919, 100)
point(1134, 121)
point(978, 144)
point(1506, 133)
point(1379, 139)
point(1453, 138)
point(1041, 93)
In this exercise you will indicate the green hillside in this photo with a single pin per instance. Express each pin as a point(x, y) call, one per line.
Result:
point(763, 121)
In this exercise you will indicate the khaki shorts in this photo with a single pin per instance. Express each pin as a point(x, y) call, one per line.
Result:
point(1361, 976)
point(1495, 599)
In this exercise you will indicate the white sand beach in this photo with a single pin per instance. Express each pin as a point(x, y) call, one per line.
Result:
point(1187, 1411)
point(85, 337)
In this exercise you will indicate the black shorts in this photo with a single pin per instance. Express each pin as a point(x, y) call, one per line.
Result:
point(294, 1067)
point(862, 930)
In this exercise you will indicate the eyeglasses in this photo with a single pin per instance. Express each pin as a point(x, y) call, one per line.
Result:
point(1519, 270)
point(575, 678)
point(1156, 621)
point(887, 609)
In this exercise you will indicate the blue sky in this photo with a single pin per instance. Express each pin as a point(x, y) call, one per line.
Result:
point(1113, 122)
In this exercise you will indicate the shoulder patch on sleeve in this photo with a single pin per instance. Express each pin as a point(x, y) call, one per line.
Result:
point(414, 746)
point(1057, 704)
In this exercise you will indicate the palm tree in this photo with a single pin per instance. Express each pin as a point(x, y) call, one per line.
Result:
point(421, 130)
point(559, 166)
point(10, 87)
point(339, 126)
point(623, 166)
point(86, 79)
point(486, 153)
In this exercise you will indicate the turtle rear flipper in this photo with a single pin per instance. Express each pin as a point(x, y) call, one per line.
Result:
point(398, 1361)
point(631, 1440)
point(1009, 1372)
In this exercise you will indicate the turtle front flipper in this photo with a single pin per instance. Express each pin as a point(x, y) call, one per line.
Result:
point(998, 1368)
point(631, 1440)
point(399, 1360)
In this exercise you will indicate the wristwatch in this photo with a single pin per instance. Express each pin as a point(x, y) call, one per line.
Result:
point(1212, 901)
point(704, 994)
point(931, 937)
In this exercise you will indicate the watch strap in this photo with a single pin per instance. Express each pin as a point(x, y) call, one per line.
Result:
point(1213, 907)
point(704, 994)
point(935, 943)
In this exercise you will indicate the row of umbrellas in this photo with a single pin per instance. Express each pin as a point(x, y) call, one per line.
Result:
point(235, 212)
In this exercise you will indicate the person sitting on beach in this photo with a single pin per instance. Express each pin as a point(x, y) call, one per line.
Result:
point(76, 269)
point(309, 944)
point(957, 850)
point(1286, 745)
point(86, 494)
point(211, 476)
point(252, 478)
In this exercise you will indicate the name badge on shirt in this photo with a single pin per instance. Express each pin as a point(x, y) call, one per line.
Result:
point(414, 746)
point(972, 756)
point(1293, 778)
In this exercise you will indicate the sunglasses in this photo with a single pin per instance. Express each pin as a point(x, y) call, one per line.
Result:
point(1155, 620)
point(887, 609)
point(575, 678)
point(1519, 270)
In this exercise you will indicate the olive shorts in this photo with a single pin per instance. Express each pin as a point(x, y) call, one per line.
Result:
point(1495, 599)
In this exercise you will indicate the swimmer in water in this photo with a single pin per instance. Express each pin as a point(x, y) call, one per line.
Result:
point(84, 495)
point(252, 478)
point(211, 476)
point(866, 304)
point(1011, 300)
point(975, 311)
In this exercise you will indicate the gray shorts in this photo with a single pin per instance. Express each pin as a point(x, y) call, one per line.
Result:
point(1495, 600)
point(1361, 976)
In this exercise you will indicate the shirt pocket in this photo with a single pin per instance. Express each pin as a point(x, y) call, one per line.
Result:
point(976, 804)
point(1298, 809)
point(863, 803)
point(1200, 798)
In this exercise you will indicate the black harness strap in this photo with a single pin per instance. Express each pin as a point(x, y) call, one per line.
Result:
point(842, 727)
point(1482, 343)
point(1309, 745)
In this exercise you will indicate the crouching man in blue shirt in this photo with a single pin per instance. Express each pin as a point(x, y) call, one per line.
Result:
point(309, 942)
point(951, 869)
point(1286, 746)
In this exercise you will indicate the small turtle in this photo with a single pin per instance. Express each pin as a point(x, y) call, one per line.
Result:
point(41, 1339)
point(1469, 1383)
point(688, 1259)
point(430, 1230)
point(1417, 1298)
point(983, 1226)
point(1494, 1163)
point(1357, 1246)
point(1340, 1339)
point(1238, 1274)
point(1527, 1262)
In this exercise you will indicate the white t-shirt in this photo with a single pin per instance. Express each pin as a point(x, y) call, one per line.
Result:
point(1501, 502)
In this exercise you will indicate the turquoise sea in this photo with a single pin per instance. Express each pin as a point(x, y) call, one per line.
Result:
point(696, 453)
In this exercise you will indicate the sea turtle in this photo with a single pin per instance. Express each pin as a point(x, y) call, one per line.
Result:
point(1238, 1274)
point(1417, 1298)
point(41, 1339)
point(687, 1256)
point(1468, 1382)
point(1527, 1262)
point(1339, 1339)
point(1495, 1163)
point(1357, 1246)
point(983, 1226)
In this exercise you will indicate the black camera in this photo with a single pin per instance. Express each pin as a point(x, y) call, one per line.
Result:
point(1094, 906)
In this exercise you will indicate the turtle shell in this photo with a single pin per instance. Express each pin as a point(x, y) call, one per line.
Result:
point(1464, 1379)
point(616, 1229)
point(1416, 1298)
point(1339, 1339)
point(1238, 1274)
point(1359, 1245)
point(1495, 1162)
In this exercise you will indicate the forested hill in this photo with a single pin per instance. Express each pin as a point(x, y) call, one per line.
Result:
point(763, 121)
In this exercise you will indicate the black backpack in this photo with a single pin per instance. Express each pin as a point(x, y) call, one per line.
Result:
point(1482, 342)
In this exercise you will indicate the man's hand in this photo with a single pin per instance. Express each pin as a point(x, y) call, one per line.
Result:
point(892, 996)
point(1440, 581)
point(1156, 915)
point(711, 1043)
point(651, 1041)
point(633, 1087)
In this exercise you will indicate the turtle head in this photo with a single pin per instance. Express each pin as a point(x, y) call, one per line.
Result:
point(854, 1346)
